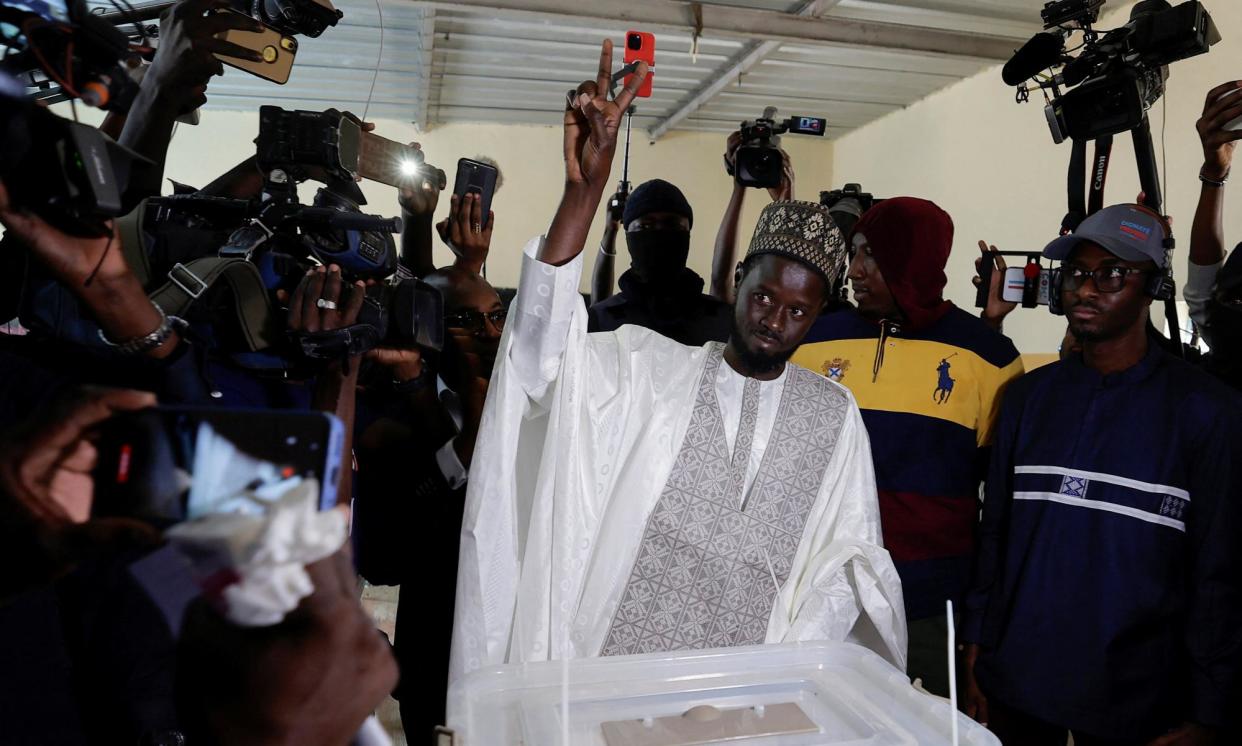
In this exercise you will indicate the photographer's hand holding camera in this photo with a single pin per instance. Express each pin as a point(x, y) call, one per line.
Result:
point(467, 233)
point(418, 202)
point(176, 82)
point(324, 302)
point(95, 270)
point(724, 259)
point(997, 308)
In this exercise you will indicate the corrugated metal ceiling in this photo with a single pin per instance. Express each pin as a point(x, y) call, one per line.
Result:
point(441, 64)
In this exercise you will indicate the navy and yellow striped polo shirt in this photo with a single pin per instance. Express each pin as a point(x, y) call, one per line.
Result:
point(929, 409)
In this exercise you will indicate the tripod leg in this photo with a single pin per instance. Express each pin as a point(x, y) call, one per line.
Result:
point(1145, 156)
point(1149, 177)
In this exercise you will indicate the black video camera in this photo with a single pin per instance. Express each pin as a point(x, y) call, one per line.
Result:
point(847, 205)
point(330, 145)
point(283, 238)
point(67, 173)
point(299, 142)
point(758, 160)
point(307, 17)
point(1119, 74)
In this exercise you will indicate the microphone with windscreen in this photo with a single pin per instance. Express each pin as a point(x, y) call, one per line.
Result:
point(1043, 51)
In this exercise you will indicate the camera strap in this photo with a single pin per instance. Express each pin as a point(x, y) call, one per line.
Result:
point(1099, 173)
point(190, 281)
point(1076, 188)
point(133, 242)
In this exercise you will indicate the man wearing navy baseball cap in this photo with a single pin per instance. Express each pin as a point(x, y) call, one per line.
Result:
point(1106, 594)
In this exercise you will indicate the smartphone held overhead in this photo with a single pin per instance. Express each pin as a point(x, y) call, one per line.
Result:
point(1234, 125)
point(396, 164)
point(640, 47)
point(476, 177)
point(276, 49)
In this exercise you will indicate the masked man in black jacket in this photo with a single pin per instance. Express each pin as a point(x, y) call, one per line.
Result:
point(659, 291)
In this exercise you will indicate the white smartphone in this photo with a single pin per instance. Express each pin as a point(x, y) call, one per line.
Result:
point(1236, 124)
point(1015, 282)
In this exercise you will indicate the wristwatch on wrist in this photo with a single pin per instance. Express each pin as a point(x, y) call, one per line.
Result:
point(147, 342)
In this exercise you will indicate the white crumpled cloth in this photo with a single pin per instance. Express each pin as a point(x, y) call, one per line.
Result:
point(254, 563)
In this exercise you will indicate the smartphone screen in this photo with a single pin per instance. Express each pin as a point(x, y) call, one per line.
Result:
point(278, 51)
point(166, 465)
point(1015, 285)
point(478, 177)
point(640, 45)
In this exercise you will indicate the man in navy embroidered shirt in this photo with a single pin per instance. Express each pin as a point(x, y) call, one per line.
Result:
point(1105, 600)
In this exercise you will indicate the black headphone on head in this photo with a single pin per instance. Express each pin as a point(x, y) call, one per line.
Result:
point(1160, 284)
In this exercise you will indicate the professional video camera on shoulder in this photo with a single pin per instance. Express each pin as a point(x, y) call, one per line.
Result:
point(758, 161)
point(1119, 74)
point(279, 238)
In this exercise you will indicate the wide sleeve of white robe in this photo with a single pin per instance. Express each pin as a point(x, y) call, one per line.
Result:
point(519, 510)
point(843, 585)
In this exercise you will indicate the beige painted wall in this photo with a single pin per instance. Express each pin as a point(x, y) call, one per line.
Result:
point(993, 166)
point(530, 159)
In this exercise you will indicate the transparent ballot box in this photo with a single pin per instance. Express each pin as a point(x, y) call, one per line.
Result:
point(792, 694)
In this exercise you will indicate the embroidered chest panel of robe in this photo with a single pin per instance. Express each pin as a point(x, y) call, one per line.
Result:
point(711, 559)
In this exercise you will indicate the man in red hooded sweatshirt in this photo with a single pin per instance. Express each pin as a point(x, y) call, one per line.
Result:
point(928, 378)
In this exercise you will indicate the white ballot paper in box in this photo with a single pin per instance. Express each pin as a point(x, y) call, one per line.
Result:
point(767, 695)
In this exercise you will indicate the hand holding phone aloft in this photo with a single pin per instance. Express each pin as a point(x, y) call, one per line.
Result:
point(640, 46)
point(268, 53)
point(1220, 128)
point(1233, 99)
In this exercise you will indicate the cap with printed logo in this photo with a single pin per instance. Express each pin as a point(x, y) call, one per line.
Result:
point(1128, 232)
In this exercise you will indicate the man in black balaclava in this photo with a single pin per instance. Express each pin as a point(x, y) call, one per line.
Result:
point(659, 291)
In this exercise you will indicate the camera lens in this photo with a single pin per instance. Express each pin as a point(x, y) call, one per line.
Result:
point(635, 42)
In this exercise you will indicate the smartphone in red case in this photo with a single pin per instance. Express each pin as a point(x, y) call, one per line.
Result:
point(640, 45)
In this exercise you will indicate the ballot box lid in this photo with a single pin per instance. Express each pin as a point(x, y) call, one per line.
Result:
point(764, 695)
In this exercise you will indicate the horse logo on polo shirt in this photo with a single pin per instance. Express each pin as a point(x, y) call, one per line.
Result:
point(944, 387)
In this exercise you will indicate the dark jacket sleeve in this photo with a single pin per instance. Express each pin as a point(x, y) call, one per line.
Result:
point(997, 499)
point(401, 492)
point(1214, 619)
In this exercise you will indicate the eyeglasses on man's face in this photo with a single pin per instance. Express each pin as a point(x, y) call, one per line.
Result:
point(475, 322)
point(1106, 279)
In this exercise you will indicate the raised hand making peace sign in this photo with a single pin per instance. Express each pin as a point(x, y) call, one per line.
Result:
point(591, 125)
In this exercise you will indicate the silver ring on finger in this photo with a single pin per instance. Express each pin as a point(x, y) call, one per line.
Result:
point(325, 303)
point(476, 228)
